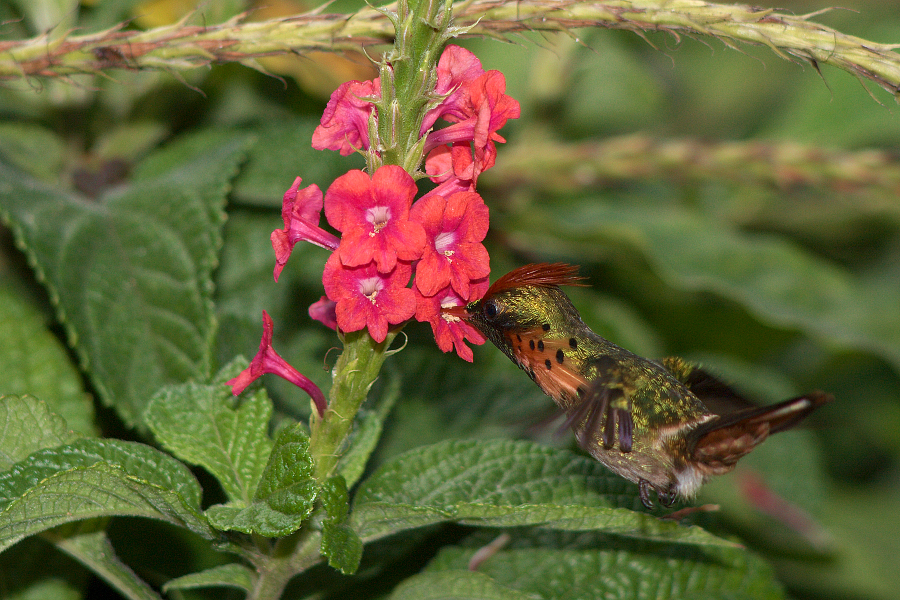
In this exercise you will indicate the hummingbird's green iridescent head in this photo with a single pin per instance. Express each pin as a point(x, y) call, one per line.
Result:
point(526, 299)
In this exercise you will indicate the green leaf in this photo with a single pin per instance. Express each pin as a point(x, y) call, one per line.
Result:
point(205, 425)
point(340, 544)
point(28, 425)
point(285, 496)
point(95, 552)
point(131, 274)
point(32, 148)
point(644, 571)
point(34, 362)
point(47, 589)
point(867, 534)
point(503, 483)
point(230, 575)
point(776, 280)
point(97, 478)
point(455, 585)
point(271, 168)
point(138, 460)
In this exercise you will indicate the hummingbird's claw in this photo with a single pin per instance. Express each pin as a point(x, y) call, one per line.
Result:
point(644, 493)
point(666, 498)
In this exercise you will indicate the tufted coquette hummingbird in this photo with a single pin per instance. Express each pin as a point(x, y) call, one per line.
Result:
point(665, 425)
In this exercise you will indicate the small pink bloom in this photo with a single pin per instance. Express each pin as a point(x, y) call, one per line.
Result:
point(451, 168)
point(456, 68)
point(367, 298)
point(487, 109)
point(300, 211)
point(373, 215)
point(268, 361)
point(323, 312)
point(453, 255)
point(345, 123)
point(450, 331)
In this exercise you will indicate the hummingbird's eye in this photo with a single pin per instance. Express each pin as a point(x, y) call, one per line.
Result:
point(491, 309)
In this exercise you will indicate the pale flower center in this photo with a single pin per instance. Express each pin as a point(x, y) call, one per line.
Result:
point(443, 242)
point(449, 302)
point(378, 216)
point(369, 287)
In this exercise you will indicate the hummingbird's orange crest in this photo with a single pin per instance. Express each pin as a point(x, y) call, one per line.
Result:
point(540, 275)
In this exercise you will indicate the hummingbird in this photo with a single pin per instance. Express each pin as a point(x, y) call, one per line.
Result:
point(665, 425)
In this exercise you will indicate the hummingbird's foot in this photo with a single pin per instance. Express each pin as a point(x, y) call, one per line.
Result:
point(666, 498)
point(644, 493)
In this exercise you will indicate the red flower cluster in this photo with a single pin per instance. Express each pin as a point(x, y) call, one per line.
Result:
point(387, 238)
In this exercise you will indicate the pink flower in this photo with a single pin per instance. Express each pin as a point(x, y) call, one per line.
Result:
point(323, 312)
point(367, 298)
point(453, 255)
point(485, 110)
point(373, 214)
point(268, 361)
point(456, 68)
point(345, 124)
point(451, 331)
point(300, 211)
point(450, 168)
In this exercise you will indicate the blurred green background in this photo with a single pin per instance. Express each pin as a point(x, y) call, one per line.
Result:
point(727, 206)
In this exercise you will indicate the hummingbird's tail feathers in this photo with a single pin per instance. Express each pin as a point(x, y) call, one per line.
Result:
point(720, 443)
point(600, 417)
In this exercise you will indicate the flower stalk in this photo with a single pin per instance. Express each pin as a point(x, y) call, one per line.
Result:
point(181, 47)
point(355, 202)
point(354, 373)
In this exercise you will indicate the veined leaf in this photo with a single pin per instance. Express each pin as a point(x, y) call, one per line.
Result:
point(95, 552)
point(340, 544)
point(205, 425)
point(137, 460)
point(645, 572)
point(33, 361)
point(97, 478)
point(28, 425)
point(231, 575)
point(503, 483)
point(131, 274)
point(285, 496)
point(455, 585)
point(776, 280)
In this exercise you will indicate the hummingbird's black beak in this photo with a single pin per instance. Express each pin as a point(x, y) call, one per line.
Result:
point(459, 312)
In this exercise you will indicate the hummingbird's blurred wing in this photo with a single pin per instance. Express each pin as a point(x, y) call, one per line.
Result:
point(604, 409)
point(718, 444)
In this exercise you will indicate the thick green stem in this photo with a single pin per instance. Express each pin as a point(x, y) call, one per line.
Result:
point(353, 375)
point(291, 555)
